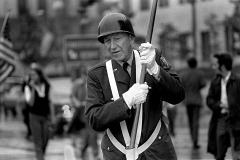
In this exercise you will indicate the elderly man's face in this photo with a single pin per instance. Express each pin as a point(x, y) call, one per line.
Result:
point(119, 45)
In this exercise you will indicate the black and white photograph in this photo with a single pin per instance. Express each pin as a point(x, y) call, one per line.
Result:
point(119, 79)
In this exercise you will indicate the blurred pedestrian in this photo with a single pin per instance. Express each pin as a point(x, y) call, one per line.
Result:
point(78, 126)
point(37, 95)
point(113, 91)
point(224, 101)
point(193, 81)
point(61, 121)
point(171, 111)
point(77, 98)
point(25, 106)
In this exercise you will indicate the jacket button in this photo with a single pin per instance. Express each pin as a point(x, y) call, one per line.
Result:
point(108, 148)
point(159, 137)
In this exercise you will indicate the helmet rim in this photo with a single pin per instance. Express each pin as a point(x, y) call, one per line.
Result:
point(114, 23)
point(101, 36)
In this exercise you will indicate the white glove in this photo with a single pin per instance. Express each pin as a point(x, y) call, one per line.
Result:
point(137, 94)
point(148, 54)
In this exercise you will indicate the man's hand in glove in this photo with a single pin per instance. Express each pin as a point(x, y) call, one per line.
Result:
point(148, 54)
point(136, 94)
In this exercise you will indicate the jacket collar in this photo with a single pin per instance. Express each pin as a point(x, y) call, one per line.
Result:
point(119, 73)
point(232, 77)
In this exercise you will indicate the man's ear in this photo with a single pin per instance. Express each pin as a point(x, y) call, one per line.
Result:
point(132, 39)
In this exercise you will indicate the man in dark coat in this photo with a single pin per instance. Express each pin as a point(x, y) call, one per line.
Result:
point(193, 81)
point(224, 100)
point(107, 113)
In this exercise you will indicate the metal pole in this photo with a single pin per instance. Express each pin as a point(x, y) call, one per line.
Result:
point(194, 26)
point(143, 71)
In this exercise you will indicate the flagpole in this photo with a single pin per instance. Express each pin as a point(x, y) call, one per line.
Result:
point(4, 23)
point(142, 74)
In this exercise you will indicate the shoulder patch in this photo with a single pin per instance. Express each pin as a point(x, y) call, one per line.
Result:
point(163, 63)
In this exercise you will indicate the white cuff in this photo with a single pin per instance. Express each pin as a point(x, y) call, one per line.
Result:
point(127, 100)
point(154, 69)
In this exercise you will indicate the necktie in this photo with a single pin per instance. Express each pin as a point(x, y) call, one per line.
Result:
point(125, 66)
point(130, 121)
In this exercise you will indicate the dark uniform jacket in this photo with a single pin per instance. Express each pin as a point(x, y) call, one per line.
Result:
point(213, 102)
point(193, 81)
point(102, 112)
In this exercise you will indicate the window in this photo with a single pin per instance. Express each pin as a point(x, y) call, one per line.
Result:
point(206, 47)
point(163, 3)
point(183, 41)
point(184, 1)
point(144, 4)
point(22, 7)
point(168, 40)
point(42, 5)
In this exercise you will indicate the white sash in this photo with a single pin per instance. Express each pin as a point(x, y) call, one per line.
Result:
point(115, 94)
point(137, 150)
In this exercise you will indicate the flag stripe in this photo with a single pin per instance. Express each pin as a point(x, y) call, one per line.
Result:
point(7, 59)
point(1, 63)
point(7, 51)
point(7, 72)
point(6, 43)
point(4, 66)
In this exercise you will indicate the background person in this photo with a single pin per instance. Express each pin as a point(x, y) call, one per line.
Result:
point(224, 101)
point(78, 126)
point(193, 81)
point(25, 106)
point(37, 96)
point(171, 112)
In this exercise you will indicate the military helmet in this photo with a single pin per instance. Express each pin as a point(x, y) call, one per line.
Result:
point(114, 23)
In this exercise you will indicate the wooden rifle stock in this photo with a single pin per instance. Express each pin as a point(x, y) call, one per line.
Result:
point(142, 74)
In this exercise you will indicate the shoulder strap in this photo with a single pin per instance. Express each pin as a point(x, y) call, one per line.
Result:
point(115, 94)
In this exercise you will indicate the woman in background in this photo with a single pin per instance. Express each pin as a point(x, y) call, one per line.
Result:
point(37, 95)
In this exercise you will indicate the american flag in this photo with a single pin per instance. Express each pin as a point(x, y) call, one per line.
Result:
point(7, 55)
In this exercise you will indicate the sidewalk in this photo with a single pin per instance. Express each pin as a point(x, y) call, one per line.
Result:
point(14, 146)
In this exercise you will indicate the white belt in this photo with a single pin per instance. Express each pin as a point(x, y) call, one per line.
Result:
point(139, 149)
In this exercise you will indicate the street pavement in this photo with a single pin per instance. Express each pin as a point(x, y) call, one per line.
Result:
point(14, 146)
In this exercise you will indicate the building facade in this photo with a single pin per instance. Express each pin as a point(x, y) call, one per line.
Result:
point(181, 28)
point(176, 17)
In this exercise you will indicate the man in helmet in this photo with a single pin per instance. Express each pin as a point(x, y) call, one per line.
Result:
point(114, 92)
